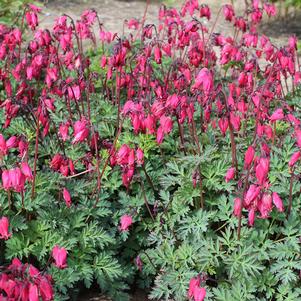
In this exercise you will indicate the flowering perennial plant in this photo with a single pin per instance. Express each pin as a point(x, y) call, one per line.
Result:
point(167, 158)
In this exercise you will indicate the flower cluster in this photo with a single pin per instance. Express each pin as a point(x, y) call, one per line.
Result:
point(25, 282)
point(127, 158)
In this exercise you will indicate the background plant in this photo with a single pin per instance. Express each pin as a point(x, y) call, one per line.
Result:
point(154, 158)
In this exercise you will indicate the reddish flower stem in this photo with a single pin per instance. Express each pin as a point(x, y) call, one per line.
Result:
point(35, 159)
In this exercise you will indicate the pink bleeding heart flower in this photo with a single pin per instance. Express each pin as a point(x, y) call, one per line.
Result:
point(251, 217)
point(157, 54)
point(139, 263)
point(123, 154)
point(277, 201)
point(205, 11)
point(3, 145)
point(251, 194)
point(16, 265)
point(298, 137)
point(31, 19)
point(294, 158)
point(56, 162)
point(166, 124)
point(6, 182)
point(237, 206)
point(81, 131)
point(199, 293)
point(125, 222)
point(235, 121)
point(262, 170)
point(26, 170)
point(173, 101)
point(17, 179)
point(265, 205)
point(127, 175)
point(4, 225)
point(230, 174)
point(74, 92)
point(223, 124)
point(46, 289)
point(249, 156)
point(277, 115)
point(60, 257)
point(131, 158)
point(33, 271)
point(33, 294)
point(193, 283)
point(204, 79)
point(67, 197)
point(64, 130)
point(164, 128)
point(12, 142)
point(228, 12)
point(160, 135)
point(139, 156)
point(270, 9)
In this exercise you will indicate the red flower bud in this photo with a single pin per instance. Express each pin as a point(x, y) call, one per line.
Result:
point(125, 222)
point(60, 257)
point(4, 225)
point(67, 197)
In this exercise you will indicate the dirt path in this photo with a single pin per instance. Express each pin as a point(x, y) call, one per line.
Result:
point(113, 13)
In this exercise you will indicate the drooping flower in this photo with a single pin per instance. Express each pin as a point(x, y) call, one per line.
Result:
point(139, 263)
point(223, 124)
point(294, 158)
point(46, 289)
point(3, 145)
point(157, 54)
point(63, 130)
point(139, 156)
point(277, 201)
point(33, 294)
point(125, 222)
point(193, 283)
point(74, 92)
point(81, 131)
point(166, 124)
point(123, 154)
point(60, 257)
point(265, 205)
point(251, 217)
point(56, 162)
point(230, 174)
point(204, 79)
point(298, 136)
point(251, 194)
point(237, 206)
point(205, 11)
point(4, 225)
point(26, 170)
point(277, 115)
point(6, 182)
point(67, 197)
point(17, 179)
point(199, 293)
point(262, 170)
point(270, 9)
point(228, 12)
